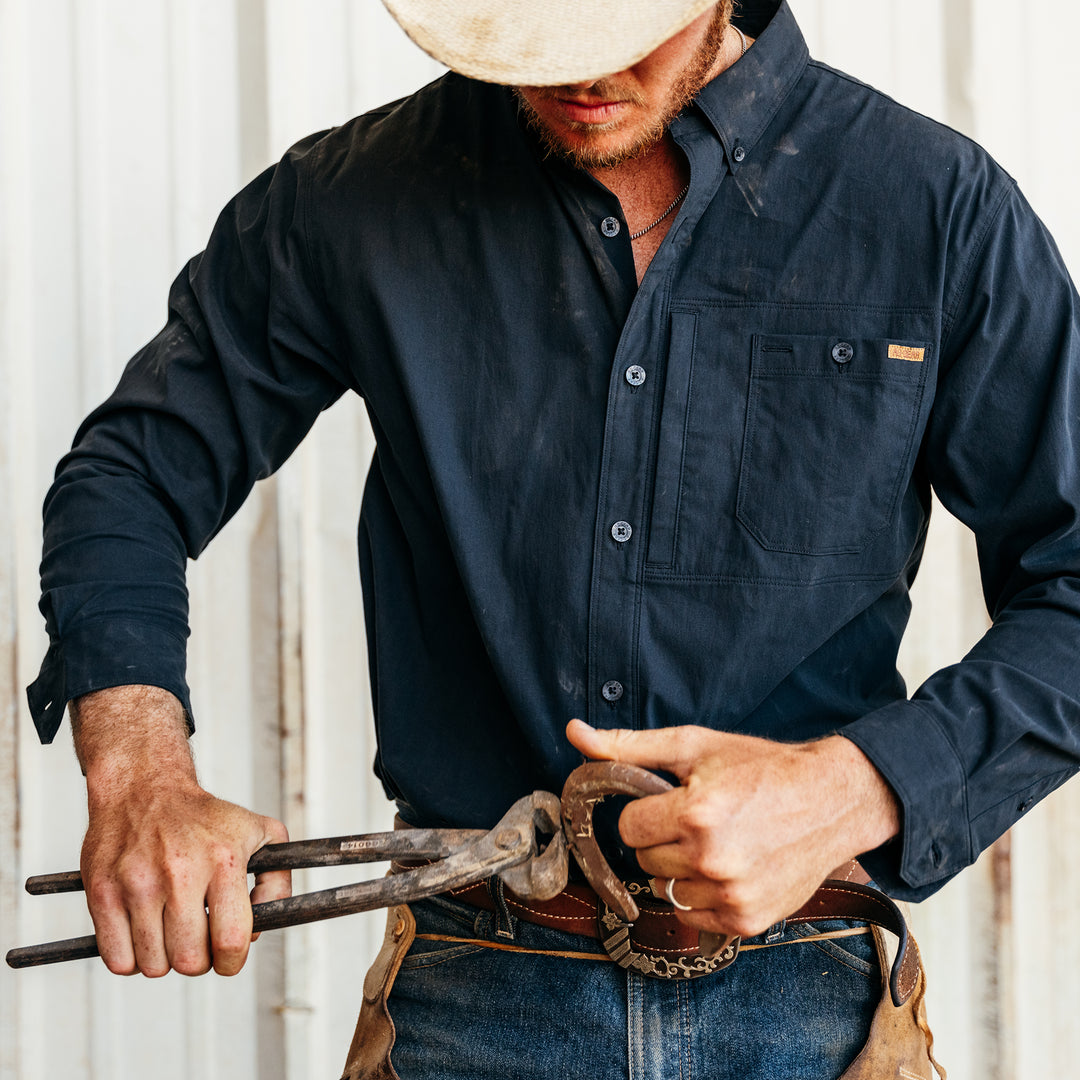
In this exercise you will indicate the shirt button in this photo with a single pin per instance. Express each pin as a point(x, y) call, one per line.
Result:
point(612, 691)
point(843, 352)
point(739, 153)
point(622, 531)
point(610, 226)
point(635, 375)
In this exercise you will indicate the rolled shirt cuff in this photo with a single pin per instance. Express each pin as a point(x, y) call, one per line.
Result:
point(101, 654)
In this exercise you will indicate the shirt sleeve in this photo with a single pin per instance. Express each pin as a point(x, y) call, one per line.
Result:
point(983, 740)
point(218, 400)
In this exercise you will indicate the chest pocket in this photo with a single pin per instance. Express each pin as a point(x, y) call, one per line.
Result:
point(829, 441)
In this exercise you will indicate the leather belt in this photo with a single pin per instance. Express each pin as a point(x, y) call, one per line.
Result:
point(658, 944)
point(657, 928)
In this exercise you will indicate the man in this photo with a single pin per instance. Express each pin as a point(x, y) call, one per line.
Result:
point(661, 366)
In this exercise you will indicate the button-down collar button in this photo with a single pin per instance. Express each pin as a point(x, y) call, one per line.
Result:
point(739, 153)
point(610, 226)
point(612, 691)
point(635, 375)
point(843, 352)
point(622, 531)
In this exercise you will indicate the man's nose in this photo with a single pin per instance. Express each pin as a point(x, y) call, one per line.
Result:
point(580, 87)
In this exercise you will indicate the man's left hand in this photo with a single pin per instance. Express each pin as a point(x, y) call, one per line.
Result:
point(754, 826)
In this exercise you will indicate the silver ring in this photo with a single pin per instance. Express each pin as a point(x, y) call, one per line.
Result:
point(669, 892)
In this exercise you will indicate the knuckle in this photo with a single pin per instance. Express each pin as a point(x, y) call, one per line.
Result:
point(231, 942)
point(224, 857)
point(142, 888)
point(739, 895)
point(711, 864)
point(102, 893)
point(697, 816)
point(178, 872)
point(746, 914)
point(118, 966)
point(191, 962)
point(745, 927)
point(277, 831)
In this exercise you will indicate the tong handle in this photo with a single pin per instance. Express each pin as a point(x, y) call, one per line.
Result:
point(53, 952)
point(482, 854)
point(408, 844)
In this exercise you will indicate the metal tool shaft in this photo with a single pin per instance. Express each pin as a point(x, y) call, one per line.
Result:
point(478, 855)
point(406, 844)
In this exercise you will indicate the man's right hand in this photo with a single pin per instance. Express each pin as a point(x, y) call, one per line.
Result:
point(164, 863)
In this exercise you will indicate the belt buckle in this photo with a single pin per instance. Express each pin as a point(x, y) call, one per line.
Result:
point(617, 937)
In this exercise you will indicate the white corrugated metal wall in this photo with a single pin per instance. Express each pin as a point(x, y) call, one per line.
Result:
point(124, 126)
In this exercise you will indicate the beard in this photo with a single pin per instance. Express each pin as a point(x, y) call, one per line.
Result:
point(682, 93)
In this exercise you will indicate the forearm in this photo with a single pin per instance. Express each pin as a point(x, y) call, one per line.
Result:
point(129, 732)
point(867, 810)
point(132, 746)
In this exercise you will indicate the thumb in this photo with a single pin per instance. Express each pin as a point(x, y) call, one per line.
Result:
point(673, 750)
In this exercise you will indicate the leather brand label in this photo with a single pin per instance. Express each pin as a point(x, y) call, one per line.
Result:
point(906, 352)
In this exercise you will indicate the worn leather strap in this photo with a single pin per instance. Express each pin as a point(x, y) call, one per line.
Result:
point(847, 900)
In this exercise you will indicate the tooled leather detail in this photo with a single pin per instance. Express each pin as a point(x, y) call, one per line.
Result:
point(620, 943)
point(369, 1054)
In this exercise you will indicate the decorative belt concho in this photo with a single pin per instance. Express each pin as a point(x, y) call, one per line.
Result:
point(617, 936)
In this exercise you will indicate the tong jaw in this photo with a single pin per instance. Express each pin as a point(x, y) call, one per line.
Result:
point(545, 875)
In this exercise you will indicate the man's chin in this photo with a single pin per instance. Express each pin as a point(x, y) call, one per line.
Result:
point(594, 146)
point(599, 156)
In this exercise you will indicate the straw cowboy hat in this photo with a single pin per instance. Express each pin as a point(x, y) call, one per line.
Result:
point(542, 42)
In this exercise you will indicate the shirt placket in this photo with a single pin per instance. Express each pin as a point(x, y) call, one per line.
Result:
point(636, 393)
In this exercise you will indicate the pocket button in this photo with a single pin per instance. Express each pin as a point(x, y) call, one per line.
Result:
point(843, 352)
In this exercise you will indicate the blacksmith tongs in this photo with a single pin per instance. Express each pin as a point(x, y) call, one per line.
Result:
point(528, 849)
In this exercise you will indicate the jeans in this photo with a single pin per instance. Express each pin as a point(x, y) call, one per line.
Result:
point(787, 1009)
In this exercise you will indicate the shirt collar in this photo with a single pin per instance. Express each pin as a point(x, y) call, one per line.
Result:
point(741, 102)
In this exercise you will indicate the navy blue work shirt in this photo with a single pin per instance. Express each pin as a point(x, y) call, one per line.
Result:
point(700, 500)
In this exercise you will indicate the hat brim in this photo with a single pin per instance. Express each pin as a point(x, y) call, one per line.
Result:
point(545, 42)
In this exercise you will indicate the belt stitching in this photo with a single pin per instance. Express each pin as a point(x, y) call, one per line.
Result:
point(503, 947)
point(548, 915)
point(590, 905)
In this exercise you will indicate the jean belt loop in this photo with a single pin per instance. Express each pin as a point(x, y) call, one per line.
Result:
point(505, 921)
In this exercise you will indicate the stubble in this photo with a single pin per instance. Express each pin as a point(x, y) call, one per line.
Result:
point(683, 91)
